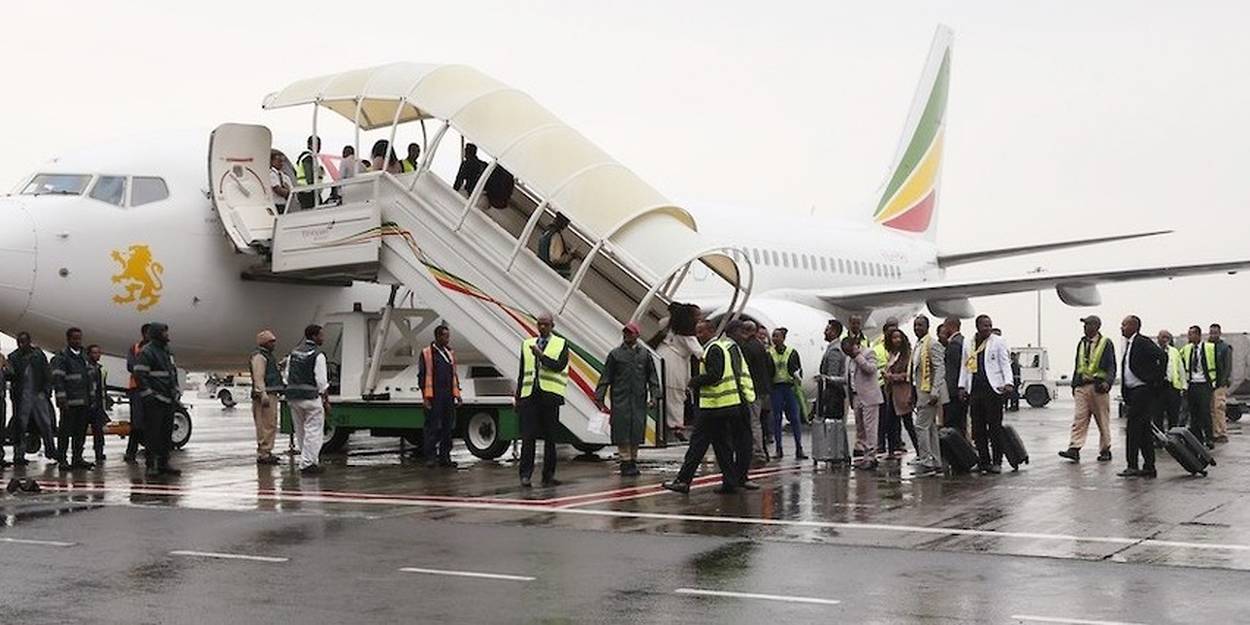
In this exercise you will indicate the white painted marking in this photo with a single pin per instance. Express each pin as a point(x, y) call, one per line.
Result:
point(510, 578)
point(1066, 621)
point(751, 595)
point(233, 496)
point(31, 541)
point(229, 556)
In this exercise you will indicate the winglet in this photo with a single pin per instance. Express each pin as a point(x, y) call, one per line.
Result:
point(908, 201)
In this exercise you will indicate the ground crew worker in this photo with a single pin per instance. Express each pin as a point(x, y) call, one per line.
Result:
point(32, 384)
point(740, 434)
point(308, 172)
point(723, 387)
point(440, 395)
point(629, 373)
point(788, 372)
point(1170, 416)
point(1201, 366)
point(307, 393)
point(413, 160)
point(266, 393)
point(928, 374)
point(541, 387)
point(1091, 390)
point(97, 405)
point(133, 398)
point(761, 366)
point(1219, 394)
point(158, 389)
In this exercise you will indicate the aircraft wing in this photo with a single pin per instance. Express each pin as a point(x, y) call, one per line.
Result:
point(1079, 285)
point(961, 258)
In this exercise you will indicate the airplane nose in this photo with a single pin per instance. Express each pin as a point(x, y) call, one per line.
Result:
point(17, 261)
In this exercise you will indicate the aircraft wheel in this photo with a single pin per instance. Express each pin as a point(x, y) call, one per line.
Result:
point(226, 397)
point(1037, 396)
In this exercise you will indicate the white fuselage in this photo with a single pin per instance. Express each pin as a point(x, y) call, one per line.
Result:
point(64, 265)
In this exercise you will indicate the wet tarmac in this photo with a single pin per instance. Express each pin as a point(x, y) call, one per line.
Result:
point(379, 538)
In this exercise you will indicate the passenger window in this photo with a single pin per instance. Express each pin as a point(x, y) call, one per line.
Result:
point(776, 263)
point(841, 266)
point(804, 260)
point(824, 264)
point(145, 190)
point(785, 259)
point(755, 255)
point(111, 189)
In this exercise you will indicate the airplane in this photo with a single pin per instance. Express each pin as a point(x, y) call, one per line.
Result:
point(125, 233)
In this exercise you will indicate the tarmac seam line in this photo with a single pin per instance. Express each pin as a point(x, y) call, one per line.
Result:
point(1066, 621)
point(473, 574)
point(33, 541)
point(702, 592)
point(229, 556)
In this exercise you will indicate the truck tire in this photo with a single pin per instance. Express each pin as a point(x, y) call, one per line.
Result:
point(481, 436)
point(226, 397)
point(1233, 412)
point(336, 439)
point(416, 438)
point(1037, 396)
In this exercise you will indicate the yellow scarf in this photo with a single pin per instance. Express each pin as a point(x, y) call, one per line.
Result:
point(972, 360)
point(926, 375)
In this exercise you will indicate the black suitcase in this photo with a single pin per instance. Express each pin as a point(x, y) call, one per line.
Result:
point(958, 453)
point(1186, 449)
point(1013, 448)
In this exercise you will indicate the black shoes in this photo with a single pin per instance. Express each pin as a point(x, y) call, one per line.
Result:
point(82, 465)
point(129, 459)
point(431, 463)
point(800, 455)
point(991, 469)
point(552, 482)
point(268, 460)
point(312, 469)
point(677, 487)
point(1104, 455)
point(525, 483)
point(630, 469)
point(172, 472)
point(1073, 454)
point(725, 489)
point(152, 472)
point(447, 463)
point(1130, 472)
point(749, 485)
point(1148, 473)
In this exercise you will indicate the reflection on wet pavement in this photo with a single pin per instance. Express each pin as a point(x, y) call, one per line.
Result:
point(1050, 508)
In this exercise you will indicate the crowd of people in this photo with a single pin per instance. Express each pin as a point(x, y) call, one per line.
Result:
point(745, 387)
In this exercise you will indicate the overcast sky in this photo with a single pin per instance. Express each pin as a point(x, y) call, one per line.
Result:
point(1066, 119)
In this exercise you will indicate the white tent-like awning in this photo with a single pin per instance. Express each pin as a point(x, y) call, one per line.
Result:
point(601, 197)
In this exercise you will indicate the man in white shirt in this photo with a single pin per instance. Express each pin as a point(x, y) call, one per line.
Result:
point(278, 181)
point(307, 393)
point(984, 378)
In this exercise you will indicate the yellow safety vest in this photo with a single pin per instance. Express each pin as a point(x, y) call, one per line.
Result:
point(883, 358)
point(408, 166)
point(781, 365)
point(1176, 370)
point(1209, 349)
point(1087, 363)
point(554, 382)
point(726, 392)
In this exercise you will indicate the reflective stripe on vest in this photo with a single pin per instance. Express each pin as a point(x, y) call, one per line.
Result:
point(554, 382)
point(781, 365)
point(729, 391)
point(427, 354)
point(1209, 349)
point(1087, 364)
point(301, 177)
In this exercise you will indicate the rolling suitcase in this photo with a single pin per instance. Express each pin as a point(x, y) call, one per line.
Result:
point(958, 453)
point(829, 442)
point(1185, 448)
point(1013, 448)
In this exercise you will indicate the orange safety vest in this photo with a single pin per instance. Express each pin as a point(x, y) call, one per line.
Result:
point(428, 355)
point(134, 382)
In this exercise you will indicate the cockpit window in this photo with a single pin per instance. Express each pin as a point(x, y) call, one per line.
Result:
point(147, 190)
point(111, 189)
point(57, 184)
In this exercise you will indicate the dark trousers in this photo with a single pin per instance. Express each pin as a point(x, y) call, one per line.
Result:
point(986, 410)
point(158, 430)
point(540, 418)
point(955, 414)
point(711, 428)
point(440, 420)
point(73, 432)
point(33, 410)
point(136, 423)
point(887, 423)
point(97, 418)
point(1170, 416)
point(1142, 403)
point(1198, 399)
point(743, 442)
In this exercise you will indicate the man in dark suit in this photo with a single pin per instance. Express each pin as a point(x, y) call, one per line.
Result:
point(1144, 371)
point(955, 411)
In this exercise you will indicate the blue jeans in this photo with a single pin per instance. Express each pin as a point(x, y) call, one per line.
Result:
point(787, 402)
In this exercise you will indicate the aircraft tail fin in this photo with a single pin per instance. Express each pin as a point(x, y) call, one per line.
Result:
point(908, 201)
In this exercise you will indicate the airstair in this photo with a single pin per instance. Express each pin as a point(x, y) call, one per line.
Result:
point(477, 266)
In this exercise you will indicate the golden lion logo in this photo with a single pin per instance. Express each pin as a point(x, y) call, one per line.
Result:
point(141, 277)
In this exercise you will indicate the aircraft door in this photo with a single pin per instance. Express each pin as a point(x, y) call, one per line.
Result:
point(238, 170)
